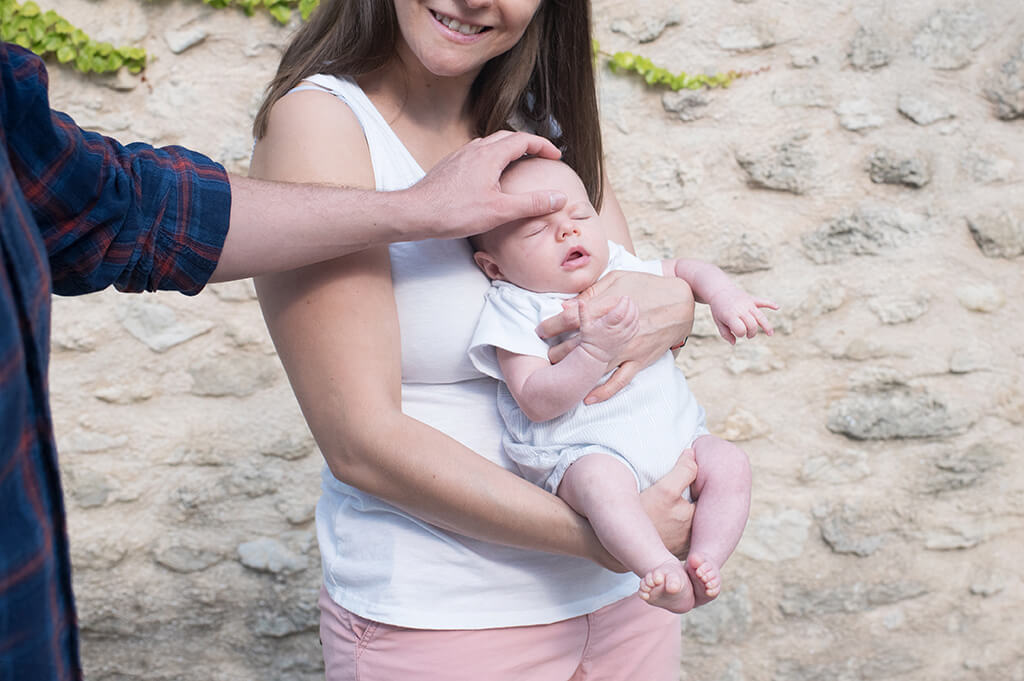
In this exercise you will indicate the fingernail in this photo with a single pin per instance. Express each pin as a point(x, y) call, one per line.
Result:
point(556, 200)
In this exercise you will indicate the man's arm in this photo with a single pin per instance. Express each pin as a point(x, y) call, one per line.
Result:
point(278, 226)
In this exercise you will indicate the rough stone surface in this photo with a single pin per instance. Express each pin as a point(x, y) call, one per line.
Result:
point(888, 167)
point(745, 37)
point(999, 234)
point(777, 537)
point(688, 106)
point(269, 555)
point(870, 49)
point(893, 414)
point(899, 309)
point(985, 297)
point(1006, 88)
point(948, 39)
point(799, 600)
point(645, 29)
point(157, 325)
point(789, 167)
point(866, 230)
point(858, 114)
point(153, 471)
point(180, 40)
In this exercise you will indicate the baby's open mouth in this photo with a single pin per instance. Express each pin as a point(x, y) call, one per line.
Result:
point(456, 25)
point(576, 256)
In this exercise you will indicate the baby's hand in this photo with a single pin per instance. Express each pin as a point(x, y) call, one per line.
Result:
point(602, 336)
point(737, 313)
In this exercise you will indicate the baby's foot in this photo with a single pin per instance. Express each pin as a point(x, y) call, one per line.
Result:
point(668, 586)
point(704, 577)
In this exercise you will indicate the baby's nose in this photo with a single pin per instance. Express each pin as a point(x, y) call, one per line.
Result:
point(567, 230)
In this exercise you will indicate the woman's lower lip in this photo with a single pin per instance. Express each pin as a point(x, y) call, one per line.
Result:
point(576, 263)
point(455, 36)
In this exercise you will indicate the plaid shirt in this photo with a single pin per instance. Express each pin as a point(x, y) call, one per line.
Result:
point(78, 212)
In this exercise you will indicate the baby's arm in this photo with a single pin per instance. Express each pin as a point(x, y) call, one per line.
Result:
point(735, 311)
point(544, 390)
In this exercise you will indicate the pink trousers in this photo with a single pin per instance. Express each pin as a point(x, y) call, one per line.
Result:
point(625, 641)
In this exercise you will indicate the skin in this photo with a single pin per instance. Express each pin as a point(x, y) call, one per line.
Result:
point(423, 93)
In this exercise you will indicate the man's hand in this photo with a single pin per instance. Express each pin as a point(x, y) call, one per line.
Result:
point(737, 314)
point(669, 510)
point(461, 195)
point(666, 317)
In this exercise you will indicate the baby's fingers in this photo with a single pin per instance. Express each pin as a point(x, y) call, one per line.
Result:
point(619, 312)
point(723, 329)
point(763, 321)
point(764, 302)
point(750, 323)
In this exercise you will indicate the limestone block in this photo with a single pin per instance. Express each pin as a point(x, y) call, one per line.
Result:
point(890, 167)
point(980, 297)
point(775, 537)
point(645, 29)
point(849, 528)
point(754, 358)
point(999, 234)
point(748, 252)
point(948, 39)
point(858, 114)
point(788, 167)
point(182, 39)
point(727, 618)
point(238, 375)
point(986, 168)
point(969, 358)
point(802, 600)
point(186, 554)
point(803, 58)
point(269, 555)
point(835, 467)
point(157, 325)
point(961, 469)
point(1006, 88)
point(922, 110)
point(870, 49)
point(894, 414)
point(741, 425)
point(688, 106)
point(814, 95)
point(745, 37)
point(899, 309)
point(865, 230)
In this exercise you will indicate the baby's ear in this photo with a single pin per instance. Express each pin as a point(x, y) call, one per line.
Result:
point(488, 264)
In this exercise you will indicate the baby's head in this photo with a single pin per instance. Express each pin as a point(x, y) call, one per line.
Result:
point(563, 252)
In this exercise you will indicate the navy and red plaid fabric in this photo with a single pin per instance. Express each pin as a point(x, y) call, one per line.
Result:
point(78, 212)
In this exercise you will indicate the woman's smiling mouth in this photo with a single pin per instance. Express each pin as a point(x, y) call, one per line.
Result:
point(456, 25)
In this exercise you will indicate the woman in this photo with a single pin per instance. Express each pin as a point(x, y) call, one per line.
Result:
point(437, 562)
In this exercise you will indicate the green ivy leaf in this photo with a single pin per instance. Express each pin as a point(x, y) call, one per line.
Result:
point(281, 13)
point(65, 54)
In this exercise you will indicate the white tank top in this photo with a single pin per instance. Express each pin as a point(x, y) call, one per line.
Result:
point(384, 564)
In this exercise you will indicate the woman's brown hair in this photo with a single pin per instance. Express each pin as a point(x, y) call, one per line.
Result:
point(546, 80)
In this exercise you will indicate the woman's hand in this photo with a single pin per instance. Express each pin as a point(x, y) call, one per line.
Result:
point(668, 509)
point(666, 317)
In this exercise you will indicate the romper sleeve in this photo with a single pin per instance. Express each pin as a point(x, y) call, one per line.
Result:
point(509, 321)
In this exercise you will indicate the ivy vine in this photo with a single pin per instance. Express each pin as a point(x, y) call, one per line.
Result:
point(48, 33)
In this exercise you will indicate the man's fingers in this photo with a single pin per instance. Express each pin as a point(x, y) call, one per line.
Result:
point(514, 145)
point(616, 382)
point(682, 474)
point(516, 206)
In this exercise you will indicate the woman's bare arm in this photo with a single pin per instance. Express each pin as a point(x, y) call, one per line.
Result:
point(335, 327)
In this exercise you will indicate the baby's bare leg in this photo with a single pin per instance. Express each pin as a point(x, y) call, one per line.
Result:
point(722, 493)
point(603, 489)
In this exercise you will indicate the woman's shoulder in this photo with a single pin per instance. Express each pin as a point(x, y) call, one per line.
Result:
point(313, 136)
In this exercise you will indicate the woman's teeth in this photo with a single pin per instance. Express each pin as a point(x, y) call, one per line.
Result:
point(453, 24)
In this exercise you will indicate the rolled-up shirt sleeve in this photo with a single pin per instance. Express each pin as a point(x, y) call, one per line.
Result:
point(133, 216)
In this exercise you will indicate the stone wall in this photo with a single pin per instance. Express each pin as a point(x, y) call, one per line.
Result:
point(870, 180)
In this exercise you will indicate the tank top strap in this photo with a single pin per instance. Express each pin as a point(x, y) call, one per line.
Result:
point(393, 165)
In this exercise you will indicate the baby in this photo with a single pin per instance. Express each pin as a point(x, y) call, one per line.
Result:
point(597, 457)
